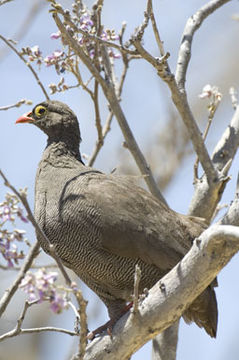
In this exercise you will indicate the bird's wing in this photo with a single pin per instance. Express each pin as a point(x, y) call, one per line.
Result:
point(135, 224)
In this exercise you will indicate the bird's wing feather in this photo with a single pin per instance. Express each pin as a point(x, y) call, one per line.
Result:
point(135, 224)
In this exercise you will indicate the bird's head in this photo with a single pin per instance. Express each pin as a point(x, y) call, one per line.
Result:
point(55, 118)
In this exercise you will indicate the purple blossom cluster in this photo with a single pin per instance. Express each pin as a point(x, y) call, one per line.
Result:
point(35, 55)
point(9, 210)
point(8, 247)
point(86, 38)
point(41, 286)
point(88, 43)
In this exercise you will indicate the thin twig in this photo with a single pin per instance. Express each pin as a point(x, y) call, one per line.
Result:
point(19, 331)
point(99, 144)
point(17, 104)
point(137, 276)
point(76, 72)
point(8, 294)
point(141, 29)
point(17, 268)
point(218, 209)
point(209, 123)
point(2, 2)
point(27, 64)
point(97, 113)
point(106, 127)
point(155, 28)
point(74, 309)
point(25, 23)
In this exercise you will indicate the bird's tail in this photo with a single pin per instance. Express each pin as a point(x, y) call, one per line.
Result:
point(203, 311)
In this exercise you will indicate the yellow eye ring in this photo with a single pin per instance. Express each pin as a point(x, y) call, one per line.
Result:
point(40, 110)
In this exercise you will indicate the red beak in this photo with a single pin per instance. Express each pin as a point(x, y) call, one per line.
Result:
point(25, 118)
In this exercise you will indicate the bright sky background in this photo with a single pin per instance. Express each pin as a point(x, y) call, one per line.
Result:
point(145, 98)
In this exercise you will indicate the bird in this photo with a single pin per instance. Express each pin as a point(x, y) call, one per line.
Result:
point(103, 225)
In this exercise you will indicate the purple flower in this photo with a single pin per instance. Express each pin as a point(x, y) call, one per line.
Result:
point(9, 263)
point(41, 286)
point(36, 51)
point(114, 37)
point(58, 303)
point(113, 54)
point(107, 35)
point(86, 21)
point(32, 296)
point(55, 35)
point(6, 213)
point(53, 58)
point(92, 53)
point(104, 36)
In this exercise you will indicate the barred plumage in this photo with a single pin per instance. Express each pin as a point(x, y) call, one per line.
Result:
point(103, 225)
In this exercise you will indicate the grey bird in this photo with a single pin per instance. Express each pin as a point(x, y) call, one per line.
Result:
point(103, 225)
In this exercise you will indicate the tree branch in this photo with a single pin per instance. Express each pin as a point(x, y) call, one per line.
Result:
point(17, 104)
point(192, 25)
point(206, 196)
point(208, 255)
point(165, 343)
point(155, 28)
point(181, 103)
point(2, 2)
point(8, 294)
point(19, 331)
point(27, 64)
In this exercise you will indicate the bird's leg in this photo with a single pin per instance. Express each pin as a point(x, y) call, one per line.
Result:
point(108, 326)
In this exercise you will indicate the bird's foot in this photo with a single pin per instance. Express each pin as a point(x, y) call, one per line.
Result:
point(108, 326)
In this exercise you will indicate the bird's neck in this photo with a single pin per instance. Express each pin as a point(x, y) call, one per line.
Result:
point(62, 153)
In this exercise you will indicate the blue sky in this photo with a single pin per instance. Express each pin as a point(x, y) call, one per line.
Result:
point(145, 103)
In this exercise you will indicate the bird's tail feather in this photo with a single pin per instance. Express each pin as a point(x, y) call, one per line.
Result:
point(203, 311)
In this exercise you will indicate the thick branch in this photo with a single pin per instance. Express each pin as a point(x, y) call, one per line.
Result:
point(206, 197)
point(192, 25)
point(180, 100)
point(208, 255)
point(227, 146)
point(165, 343)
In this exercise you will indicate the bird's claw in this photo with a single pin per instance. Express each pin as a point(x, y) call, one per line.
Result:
point(108, 326)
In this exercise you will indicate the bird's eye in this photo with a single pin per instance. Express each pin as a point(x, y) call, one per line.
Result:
point(39, 111)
